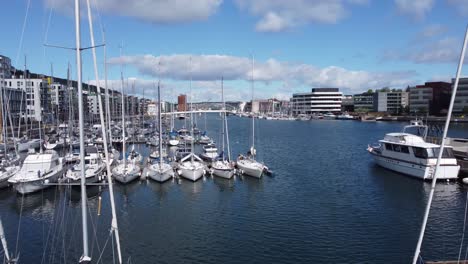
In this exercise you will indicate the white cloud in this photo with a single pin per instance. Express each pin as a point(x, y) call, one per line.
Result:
point(272, 77)
point(271, 22)
point(156, 11)
point(415, 8)
point(433, 30)
point(445, 50)
point(280, 15)
point(460, 5)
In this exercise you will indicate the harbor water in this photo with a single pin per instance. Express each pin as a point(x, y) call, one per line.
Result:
point(326, 202)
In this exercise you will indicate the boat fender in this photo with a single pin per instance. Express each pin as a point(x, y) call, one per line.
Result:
point(46, 181)
point(465, 180)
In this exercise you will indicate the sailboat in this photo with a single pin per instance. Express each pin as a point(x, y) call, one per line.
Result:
point(191, 166)
point(158, 169)
point(247, 164)
point(126, 172)
point(223, 168)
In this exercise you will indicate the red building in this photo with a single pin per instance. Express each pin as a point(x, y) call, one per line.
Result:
point(182, 103)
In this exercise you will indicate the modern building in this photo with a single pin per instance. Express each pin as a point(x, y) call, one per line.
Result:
point(347, 104)
point(432, 98)
point(182, 103)
point(320, 100)
point(461, 100)
point(391, 102)
point(363, 102)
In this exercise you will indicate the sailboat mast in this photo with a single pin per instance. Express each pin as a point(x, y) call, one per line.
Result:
point(223, 115)
point(84, 210)
point(104, 135)
point(123, 114)
point(160, 125)
point(191, 111)
point(251, 109)
point(108, 114)
point(4, 242)
point(441, 150)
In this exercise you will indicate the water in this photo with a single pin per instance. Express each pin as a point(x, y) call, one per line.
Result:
point(327, 202)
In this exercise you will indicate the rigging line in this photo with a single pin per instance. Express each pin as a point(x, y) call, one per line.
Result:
point(19, 224)
point(20, 46)
point(464, 227)
point(51, 229)
point(94, 224)
point(105, 245)
point(46, 33)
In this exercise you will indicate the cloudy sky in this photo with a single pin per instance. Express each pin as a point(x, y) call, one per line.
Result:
point(296, 44)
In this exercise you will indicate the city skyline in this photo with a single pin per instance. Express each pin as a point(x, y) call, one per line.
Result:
point(357, 45)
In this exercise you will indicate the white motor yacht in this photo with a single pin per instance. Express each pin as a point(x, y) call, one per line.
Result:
point(210, 152)
point(412, 155)
point(94, 167)
point(37, 172)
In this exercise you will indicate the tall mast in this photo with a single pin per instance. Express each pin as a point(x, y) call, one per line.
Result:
point(123, 113)
point(191, 112)
point(160, 125)
point(442, 145)
point(223, 115)
point(108, 114)
point(114, 225)
point(251, 109)
point(85, 258)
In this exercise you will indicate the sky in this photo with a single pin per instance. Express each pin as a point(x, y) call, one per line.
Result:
point(287, 46)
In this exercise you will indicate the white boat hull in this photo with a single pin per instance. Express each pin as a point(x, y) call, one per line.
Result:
point(131, 173)
point(445, 172)
point(34, 185)
point(191, 170)
point(173, 142)
point(222, 170)
point(7, 174)
point(160, 174)
point(251, 168)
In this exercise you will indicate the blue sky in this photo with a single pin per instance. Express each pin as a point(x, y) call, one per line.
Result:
point(297, 44)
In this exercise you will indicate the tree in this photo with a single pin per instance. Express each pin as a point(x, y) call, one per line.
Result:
point(370, 91)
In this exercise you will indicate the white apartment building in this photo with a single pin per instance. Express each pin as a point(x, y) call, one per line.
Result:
point(33, 89)
point(320, 100)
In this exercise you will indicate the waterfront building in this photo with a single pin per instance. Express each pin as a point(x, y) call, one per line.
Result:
point(182, 103)
point(363, 102)
point(320, 100)
point(36, 95)
point(461, 101)
point(347, 104)
point(432, 98)
point(391, 102)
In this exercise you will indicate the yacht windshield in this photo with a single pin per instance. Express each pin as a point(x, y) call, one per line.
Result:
point(434, 153)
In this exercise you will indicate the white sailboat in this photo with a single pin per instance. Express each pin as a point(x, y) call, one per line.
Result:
point(223, 168)
point(126, 172)
point(191, 166)
point(247, 164)
point(159, 170)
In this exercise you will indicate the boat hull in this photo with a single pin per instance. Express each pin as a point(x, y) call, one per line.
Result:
point(445, 172)
point(131, 173)
point(223, 173)
point(191, 172)
point(34, 185)
point(250, 168)
point(158, 174)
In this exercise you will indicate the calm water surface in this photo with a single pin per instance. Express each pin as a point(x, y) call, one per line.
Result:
point(325, 203)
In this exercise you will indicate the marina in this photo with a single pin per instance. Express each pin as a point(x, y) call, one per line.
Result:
point(182, 218)
point(295, 153)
